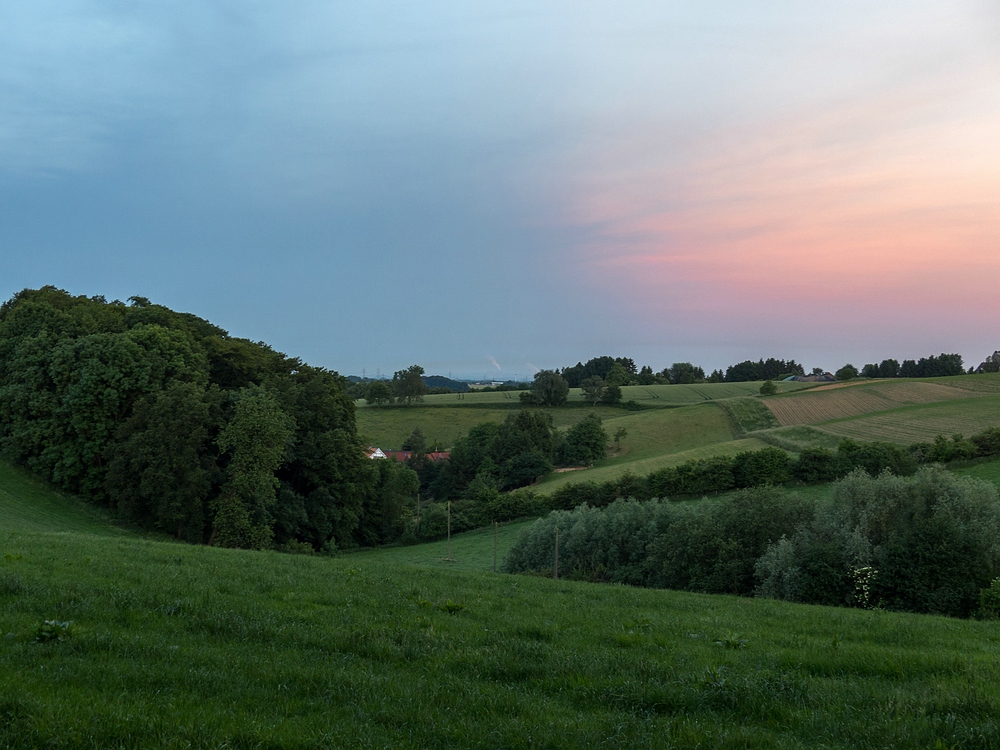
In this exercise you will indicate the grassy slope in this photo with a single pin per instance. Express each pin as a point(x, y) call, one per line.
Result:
point(389, 427)
point(28, 504)
point(177, 646)
point(471, 551)
point(180, 646)
point(989, 470)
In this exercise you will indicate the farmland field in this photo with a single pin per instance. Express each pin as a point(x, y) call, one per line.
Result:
point(647, 395)
point(983, 383)
point(388, 427)
point(823, 405)
point(611, 469)
point(922, 423)
point(722, 419)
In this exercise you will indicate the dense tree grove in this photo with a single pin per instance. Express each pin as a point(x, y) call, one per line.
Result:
point(188, 430)
point(601, 367)
point(622, 370)
point(940, 366)
point(509, 455)
point(769, 369)
point(548, 388)
point(930, 544)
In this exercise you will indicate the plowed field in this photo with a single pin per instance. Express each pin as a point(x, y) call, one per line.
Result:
point(813, 407)
point(923, 423)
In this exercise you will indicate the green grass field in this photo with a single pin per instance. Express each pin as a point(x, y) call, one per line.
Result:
point(795, 439)
point(471, 551)
point(988, 470)
point(175, 646)
point(389, 427)
point(647, 395)
point(28, 504)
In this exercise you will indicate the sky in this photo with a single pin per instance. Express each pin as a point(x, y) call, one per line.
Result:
point(487, 189)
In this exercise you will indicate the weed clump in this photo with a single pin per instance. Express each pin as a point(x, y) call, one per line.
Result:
point(53, 631)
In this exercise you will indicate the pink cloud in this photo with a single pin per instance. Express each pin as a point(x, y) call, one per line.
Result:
point(887, 202)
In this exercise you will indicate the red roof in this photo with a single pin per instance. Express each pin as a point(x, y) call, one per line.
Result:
point(406, 455)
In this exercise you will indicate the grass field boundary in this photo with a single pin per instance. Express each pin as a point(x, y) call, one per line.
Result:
point(747, 414)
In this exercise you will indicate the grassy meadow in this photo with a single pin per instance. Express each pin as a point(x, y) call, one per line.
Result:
point(174, 646)
point(471, 551)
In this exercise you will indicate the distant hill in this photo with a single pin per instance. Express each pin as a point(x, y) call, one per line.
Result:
point(440, 381)
point(432, 381)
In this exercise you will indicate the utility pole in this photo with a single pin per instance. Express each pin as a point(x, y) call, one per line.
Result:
point(555, 562)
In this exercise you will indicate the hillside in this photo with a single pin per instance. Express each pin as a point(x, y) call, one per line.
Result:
point(28, 504)
point(190, 646)
point(679, 423)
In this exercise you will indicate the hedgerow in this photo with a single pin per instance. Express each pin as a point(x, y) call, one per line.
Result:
point(930, 543)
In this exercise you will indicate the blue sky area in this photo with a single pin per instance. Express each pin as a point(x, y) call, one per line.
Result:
point(368, 186)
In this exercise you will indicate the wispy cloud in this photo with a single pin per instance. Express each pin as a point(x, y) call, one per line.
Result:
point(878, 193)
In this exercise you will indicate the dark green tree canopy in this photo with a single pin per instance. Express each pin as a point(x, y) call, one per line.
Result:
point(183, 428)
point(549, 388)
point(408, 385)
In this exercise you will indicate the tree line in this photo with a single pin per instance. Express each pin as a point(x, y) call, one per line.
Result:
point(774, 466)
point(620, 371)
point(927, 544)
point(601, 378)
point(182, 428)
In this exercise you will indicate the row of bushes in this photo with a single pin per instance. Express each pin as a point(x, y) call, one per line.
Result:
point(468, 514)
point(768, 466)
point(774, 466)
point(929, 543)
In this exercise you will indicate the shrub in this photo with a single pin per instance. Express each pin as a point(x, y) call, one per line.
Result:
point(989, 602)
point(514, 505)
point(816, 465)
point(591, 493)
point(766, 466)
point(987, 442)
point(874, 458)
point(714, 547)
point(926, 544)
point(584, 442)
point(607, 544)
point(768, 388)
point(464, 517)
